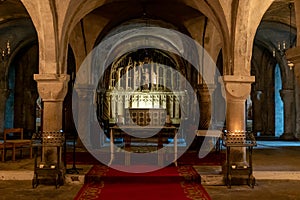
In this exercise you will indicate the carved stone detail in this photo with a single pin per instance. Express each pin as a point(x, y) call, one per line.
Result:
point(52, 87)
point(238, 87)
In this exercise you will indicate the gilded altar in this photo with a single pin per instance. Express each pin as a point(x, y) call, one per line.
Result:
point(143, 82)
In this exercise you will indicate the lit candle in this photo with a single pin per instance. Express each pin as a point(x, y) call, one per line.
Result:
point(283, 45)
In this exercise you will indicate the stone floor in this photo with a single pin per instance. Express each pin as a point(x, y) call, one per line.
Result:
point(276, 169)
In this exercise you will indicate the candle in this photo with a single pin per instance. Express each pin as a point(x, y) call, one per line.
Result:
point(8, 47)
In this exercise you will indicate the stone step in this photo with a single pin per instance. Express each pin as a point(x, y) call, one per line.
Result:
point(212, 175)
point(212, 179)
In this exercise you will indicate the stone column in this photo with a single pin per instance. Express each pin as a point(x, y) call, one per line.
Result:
point(237, 89)
point(205, 92)
point(289, 114)
point(52, 89)
point(257, 116)
point(85, 121)
point(293, 57)
point(3, 97)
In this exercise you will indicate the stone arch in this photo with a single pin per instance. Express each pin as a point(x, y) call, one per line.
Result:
point(215, 11)
point(284, 69)
point(58, 31)
point(76, 11)
point(17, 28)
point(213, 43)
point(44, 18)
point(246, 24)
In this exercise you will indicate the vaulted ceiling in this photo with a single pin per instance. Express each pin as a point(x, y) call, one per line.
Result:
point(277, 26)
point(16, 25)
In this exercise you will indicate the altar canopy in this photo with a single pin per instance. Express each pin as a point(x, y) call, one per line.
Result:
point(146, 78)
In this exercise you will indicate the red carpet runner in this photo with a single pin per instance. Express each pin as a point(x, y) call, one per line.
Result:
point(177, 183)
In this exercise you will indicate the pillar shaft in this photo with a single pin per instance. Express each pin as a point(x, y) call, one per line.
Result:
point(297, 99)
point(85, 112)
point(52, 89)
point(3, 97)
point(205, 93)
point(289, 114)
point(237, 89)
point(52, 115)
point(293, 56)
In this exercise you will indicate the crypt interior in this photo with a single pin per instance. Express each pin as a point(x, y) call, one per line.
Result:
point(81, 66)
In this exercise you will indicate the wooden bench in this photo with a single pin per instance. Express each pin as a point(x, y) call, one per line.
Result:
point(13, 139)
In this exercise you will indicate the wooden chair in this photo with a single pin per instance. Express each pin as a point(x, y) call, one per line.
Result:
point(3, 148)
point(15, 142)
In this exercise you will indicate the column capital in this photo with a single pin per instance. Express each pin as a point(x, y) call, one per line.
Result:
point(237, 87)
point(84, 91)
point(206, 87)
point(287, 93)
point(52, 87)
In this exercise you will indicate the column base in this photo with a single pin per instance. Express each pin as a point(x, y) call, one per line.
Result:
point(288, 136)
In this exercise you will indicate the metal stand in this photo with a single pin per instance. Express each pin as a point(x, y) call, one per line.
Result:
point(48, 169)
point(74, 169)
point(239, 139)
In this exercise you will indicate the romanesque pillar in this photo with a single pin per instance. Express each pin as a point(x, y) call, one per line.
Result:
point(293, 56)
point(3, 97)
point(84, 119)
point(205, 92)
point(4, 93)
point(289, 114)
point(52, 89)
point(257, 116)
point(237, 90)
